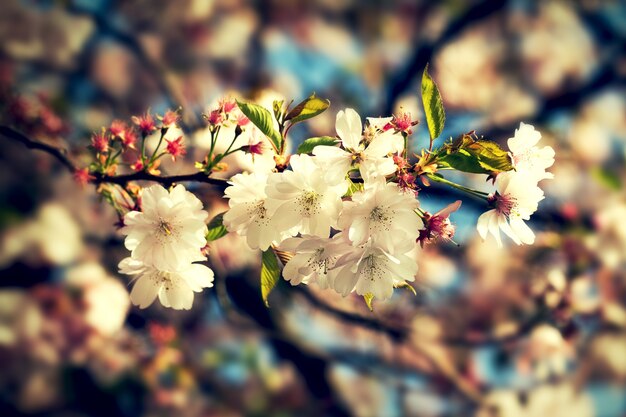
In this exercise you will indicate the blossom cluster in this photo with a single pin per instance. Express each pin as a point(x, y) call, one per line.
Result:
point(166, 239)
point(345, 236)
point(343, 211)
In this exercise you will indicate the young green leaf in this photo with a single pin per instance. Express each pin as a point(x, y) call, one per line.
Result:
point(270, 274)
point(307, 109)
point(467, 154)
point(216, 228)
point(308, 145)
point(262, 119)
point(433, 106)
point(353, 188)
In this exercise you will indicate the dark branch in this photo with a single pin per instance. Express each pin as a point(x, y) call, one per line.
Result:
point(99, 178)
point(395, 332)
point(144, 176)
point(401, 81)
point(59, 154)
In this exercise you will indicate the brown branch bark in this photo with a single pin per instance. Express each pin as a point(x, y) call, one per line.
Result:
point(98, 178)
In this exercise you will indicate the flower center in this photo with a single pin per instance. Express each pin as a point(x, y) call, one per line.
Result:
point(506, 204)
point(357, 158)
point(372, 269)
point(318, 262)
point(259, 213)
point(309, 203)
point(165, 229)
point(381, 218)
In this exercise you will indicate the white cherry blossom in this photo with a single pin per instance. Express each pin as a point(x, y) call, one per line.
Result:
point(383, 213)
point(527, 157)
point(170, 230)
point(312, 261)
point(372, 160)
point(371, 270)
point(249, 215)
point(174, 288)
point(516, 199)
point(304, 202)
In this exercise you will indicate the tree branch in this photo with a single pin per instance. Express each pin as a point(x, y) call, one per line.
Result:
point(99, 178)
point(59, 154)
point(396, 333)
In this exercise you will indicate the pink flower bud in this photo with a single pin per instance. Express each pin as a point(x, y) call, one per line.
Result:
point(175, 147)
point(215, 117)
point(145, 123)
point(137, 166)
point(170, 118)
point(82, 176)
point(403, 122)
point(100, 142)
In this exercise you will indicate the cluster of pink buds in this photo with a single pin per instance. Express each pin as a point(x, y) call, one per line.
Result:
point(227, 112)
point(120, 139)
point(145, 123)
point(406, 180)
point(125, 134)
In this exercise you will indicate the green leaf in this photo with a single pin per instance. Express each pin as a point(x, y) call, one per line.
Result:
point(277, 106)
point(308, 145)
point(307, 109)
point(270, 274)
point(368, 298)
point(262, 119)
point(433, 106)
point(216, 228)
point(353, 188)
point(476, 156)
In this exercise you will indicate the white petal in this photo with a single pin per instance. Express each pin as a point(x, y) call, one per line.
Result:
point(522, 230)
point(482, 223)
point(177, 295)
point(144, 291)
point(349, 128)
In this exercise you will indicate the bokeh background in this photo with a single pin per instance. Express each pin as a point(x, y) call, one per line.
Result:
point(518, 331)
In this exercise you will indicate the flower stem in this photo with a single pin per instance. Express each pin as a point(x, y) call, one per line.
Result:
point(441, 180)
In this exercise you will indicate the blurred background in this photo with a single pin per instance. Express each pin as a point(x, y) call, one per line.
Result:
point(518, 331)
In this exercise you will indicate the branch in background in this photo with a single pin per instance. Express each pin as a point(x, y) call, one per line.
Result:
point(61, 156)
point(394, 332)
point(402, 80)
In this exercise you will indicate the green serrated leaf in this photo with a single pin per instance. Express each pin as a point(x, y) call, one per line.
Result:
point(369, 298)
point(307, 109)
point(433, 105)
point(216, 228)
point(467, 154)
point(262, 119)
point(270, 274)
point(353, 188)
point(308, 145)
